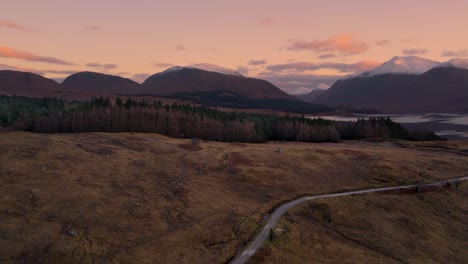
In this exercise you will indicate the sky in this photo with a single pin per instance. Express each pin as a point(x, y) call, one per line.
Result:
point(297, 44)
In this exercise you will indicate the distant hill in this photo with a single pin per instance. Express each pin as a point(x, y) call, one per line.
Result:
point(184, 79)
point(33, 85)
point(223, 88)
point(404, 85)
point(310, 97)
point(99, 83)
point(204, 84)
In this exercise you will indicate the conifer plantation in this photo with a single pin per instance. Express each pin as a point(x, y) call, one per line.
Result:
point(50, 115)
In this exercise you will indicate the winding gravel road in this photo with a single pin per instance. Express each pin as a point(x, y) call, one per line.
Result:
point(258, 242)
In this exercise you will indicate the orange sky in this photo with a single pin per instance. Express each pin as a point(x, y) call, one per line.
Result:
point(292, 43)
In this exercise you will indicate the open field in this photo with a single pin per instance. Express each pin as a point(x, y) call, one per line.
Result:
point(145, 198)
point(375, 228)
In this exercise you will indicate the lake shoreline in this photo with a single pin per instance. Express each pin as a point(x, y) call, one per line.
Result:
point(448, 125)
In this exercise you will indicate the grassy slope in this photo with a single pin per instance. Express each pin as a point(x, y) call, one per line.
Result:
point(423, 228)
point(142, 198)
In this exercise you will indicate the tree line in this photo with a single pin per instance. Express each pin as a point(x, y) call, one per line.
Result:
point(184, 121)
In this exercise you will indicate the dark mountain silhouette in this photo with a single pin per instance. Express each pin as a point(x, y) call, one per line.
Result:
point(441, 89)
point(188, 85)
point(33, 85)
point(223, 90)
point(100, 84)
point(381, 92)
point(195, 80)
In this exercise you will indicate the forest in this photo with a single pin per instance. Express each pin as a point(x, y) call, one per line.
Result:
point(49, 115)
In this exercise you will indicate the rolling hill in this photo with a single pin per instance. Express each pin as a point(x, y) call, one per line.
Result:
point(220, 87)
point(34, 85)
point(99, 83)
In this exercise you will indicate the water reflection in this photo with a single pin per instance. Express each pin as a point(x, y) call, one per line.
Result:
point(459, 120)
point(452, 126)
point(445, 133)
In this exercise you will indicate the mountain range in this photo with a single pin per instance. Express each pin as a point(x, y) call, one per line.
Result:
point(403, 85)
point(222, 88)
point(204, 84)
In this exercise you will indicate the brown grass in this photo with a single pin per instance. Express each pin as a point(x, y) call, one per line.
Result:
point(190, 147)
point(140, 198)
point(428, 227)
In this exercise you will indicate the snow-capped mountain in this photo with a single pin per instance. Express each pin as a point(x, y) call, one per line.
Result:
point(305, 90)
point(404, 85)
point(302, 90)
point(402, 65)
point(205, 67)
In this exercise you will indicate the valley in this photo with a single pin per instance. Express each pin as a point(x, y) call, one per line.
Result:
point(146, 198)
point(233, 132)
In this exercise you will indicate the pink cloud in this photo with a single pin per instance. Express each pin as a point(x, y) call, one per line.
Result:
point(64, 72)
point(93, 28)
point(163, 65)
point(299, 67)
point(7, 52)
point(382, 42)
point(257, 62)
point(36, 71)
point(102, 66)
point(243, 70)
point(12, 25)
point(455, 53)
point(266, 21)
point(345, 44)
point(15, 68)
point(327, 56)
point(180, 48)
point(140, 77)
point(292, 82)
point(411, 52)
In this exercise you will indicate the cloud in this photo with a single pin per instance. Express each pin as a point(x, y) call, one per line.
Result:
point(327, 56)
point(266, 21)
point(180, 48)
point(12, 25)
point(411, 52)
point(100, 66)
point(93, 28)
point(242, 70)
point(7, 52)
point(345, 44)
point(257, 62)
point(67, 72)
point(15, 68)
point(300, 67)
point(290, 83)
point(409, 40)
point(140, 77)
point(59, 80)
point(40, 72)
point(455, 53)
point(382, 42)
point(163, 65)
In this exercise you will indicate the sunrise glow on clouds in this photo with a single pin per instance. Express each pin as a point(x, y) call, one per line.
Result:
point(294, 44)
